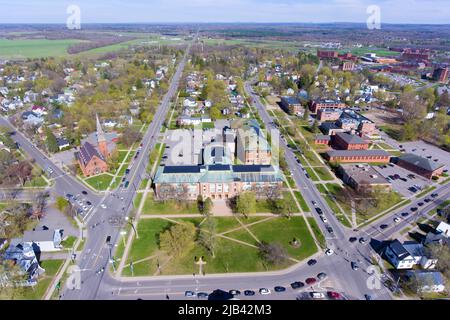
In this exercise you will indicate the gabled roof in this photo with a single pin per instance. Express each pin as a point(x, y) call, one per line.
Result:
point(420, 162)
point(399, 250)
point(87, 152)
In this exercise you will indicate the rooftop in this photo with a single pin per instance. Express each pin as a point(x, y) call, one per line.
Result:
point(420, 162)
point(351, 138)
point(364, 174)
point(358, 153)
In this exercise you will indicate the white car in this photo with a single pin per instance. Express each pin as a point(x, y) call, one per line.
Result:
point(265, 291)
point(329, 252)
point(396, 220)
point(325, 220)
point(103, 206)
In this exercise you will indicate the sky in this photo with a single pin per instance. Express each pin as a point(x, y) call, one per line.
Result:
point(157, 11)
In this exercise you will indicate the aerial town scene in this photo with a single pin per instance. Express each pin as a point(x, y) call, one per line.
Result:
point(256, 150)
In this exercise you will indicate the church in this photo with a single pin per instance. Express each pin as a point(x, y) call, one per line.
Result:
point(93, 159)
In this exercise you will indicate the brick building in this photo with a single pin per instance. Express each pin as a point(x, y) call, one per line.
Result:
point(292, 105)
point(358, 156)
point(346, 141)
point(421, 166)
point(252, 146)
point(327, 54)
point(363, 178)
point(328, 114)
point(326, 104)
point(215, 181)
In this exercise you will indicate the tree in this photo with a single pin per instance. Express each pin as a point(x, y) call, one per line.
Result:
point(246, 203)
point(178, 239)
point(413, 109)
point(130, 136)
point(272, 253)
point(306, 114)
point(442, 254)
point(215, 113)
point(61, 203)
point(11, 276)
point(315, 126)
point(207, 235)
point(50, 141)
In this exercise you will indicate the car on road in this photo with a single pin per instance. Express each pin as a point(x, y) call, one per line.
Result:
point(249, 293)
point(435, 195)
point(324, 219)
point(330, 230)
point(307, 175)
point(312, 262)
point(367, 297)
point(279, 289)
point(265, 291)
point(89, 203)
point(319, 211)
point(108, 239)
point(314, 203)
point(414, 209)
point(427, 200)
point(322, 276)
point(421, 204)
point(329, 252)
point(396, 220)
point(362, 241)
point(84, 192)
point(127, 184)
point(297, 285)
point(189, 294)
point(202, 295)
point(353, 239)
point(384, 226)
point(310, 281)
point(50, 170)
point(235, 292)
point(405, 214)
point(333, 295)
point(355, 266)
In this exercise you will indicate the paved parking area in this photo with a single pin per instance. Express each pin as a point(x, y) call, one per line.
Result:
point(425, 150)
point(399, 185)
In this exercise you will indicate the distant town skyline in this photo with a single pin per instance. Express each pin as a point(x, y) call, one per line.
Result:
point(258, 11)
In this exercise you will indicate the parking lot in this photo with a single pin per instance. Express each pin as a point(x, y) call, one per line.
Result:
point(402, 180)
point(427, 150)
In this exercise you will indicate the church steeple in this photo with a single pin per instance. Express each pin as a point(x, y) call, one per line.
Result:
point(102, 146)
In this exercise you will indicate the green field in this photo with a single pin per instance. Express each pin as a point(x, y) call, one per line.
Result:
point(35, 48)
point(101, 182)
point(152, 207)
point(230, 255)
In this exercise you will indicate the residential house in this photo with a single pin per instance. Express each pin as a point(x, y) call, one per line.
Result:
point(44, 240)
point(407, 255)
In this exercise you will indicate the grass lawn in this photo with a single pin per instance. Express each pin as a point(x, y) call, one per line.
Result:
point(317, 232)
point(302, 201)
point(323, 174)
point(137, 200)
point(34, 48)
point(122, 155)
point(100, 182)
point(36, 182)
point(169, 207)
point(230, 256)
point(37, 292)
point(321, 188)
point(283, 231)
point(69, 242)
point(312, 174)
point(208, 125)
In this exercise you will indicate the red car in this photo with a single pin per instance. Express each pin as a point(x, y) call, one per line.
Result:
point(334, 295)
point(310, 281)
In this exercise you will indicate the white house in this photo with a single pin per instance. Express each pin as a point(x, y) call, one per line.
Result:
point(408, 255)
point(45, 240)
point(444, 229)
point(190, 102)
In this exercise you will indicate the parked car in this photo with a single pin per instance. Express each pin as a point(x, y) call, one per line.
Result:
point(421, 204)
point(384, 226)
point(355, 266)
point(84, 192)
point(396, 220)
point(405, 214)
point(280, 289)
point(189, 294)
point(322, 276)
point(249, 293)
point(310, 281)
point(317, 295)
point(202, 295)
point(265, 291)
point(235, 292)
point(353, 239)
point(325, 220)
point(312, 262)
point(329, 252)
point(297, 285)
point(333, 295)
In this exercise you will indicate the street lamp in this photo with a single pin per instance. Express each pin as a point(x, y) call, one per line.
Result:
point(131, 222)
point(123, 234)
